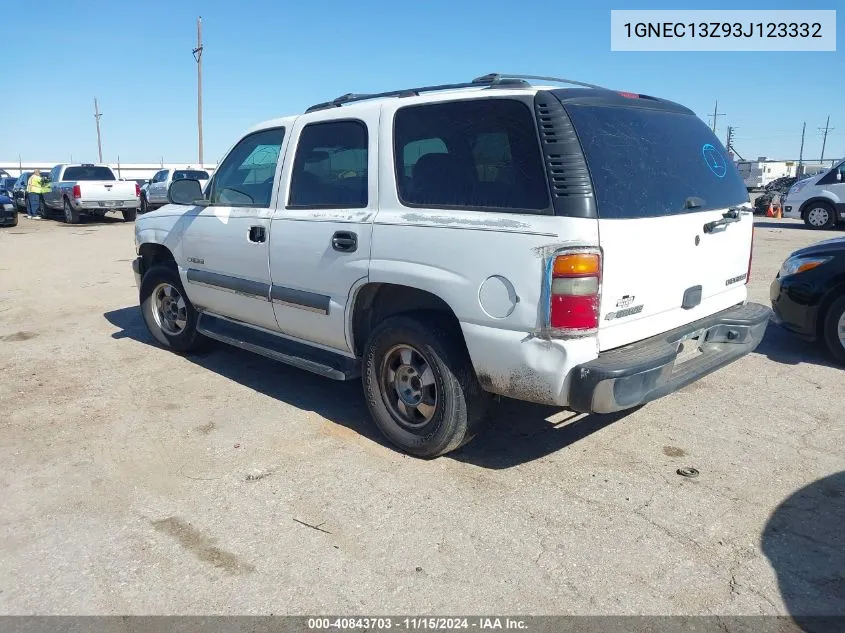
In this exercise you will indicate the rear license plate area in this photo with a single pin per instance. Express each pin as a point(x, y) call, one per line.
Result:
point(689, 347)
point(110, 204)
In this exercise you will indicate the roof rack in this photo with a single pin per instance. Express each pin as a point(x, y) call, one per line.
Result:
point(490, 80)
point(487, 80)
point(499, 77)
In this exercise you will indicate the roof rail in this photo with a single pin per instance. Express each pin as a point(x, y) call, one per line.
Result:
point(488, 81)
point(497, 77)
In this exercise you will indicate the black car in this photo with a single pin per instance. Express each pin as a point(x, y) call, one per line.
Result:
point(8, 213)
point(6, 184)
point(808, 294)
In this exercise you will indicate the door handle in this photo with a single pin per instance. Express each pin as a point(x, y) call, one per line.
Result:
point(257, 234)
point(345, 241)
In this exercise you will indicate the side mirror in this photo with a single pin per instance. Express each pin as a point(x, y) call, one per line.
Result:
point(838, 176)
point(186, 192)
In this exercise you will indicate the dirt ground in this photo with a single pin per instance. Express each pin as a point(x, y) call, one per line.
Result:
point(136, 481)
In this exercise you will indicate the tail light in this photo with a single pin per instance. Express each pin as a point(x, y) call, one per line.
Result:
point(137, 190)
point(750, 256)
point(574, 296)
point(77, 191)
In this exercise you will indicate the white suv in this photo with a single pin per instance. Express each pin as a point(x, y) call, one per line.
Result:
point(577, 247)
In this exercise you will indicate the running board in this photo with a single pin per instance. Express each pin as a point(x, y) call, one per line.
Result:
point(300, 355)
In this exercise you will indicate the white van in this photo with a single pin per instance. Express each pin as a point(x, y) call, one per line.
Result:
point(818, 200)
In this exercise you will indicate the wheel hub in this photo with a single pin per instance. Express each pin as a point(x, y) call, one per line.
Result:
point(408, 385)
point(818, 217)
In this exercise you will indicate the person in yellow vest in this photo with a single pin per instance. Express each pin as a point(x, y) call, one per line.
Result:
point(33, 196)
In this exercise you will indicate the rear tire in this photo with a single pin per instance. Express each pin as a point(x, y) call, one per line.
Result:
point(45, 210)
point(129, 215)
point(420, 386)
point(168, 313)
point(71, 214)
point(834, 329)
point(820, 216)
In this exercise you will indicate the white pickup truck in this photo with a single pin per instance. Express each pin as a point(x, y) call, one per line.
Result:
point(90, 189)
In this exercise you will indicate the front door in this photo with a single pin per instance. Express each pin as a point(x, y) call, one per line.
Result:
point(225, 249)
point(322, 228)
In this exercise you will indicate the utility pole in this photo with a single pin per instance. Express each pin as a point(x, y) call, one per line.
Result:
point(801, 152)
point(97, 115)
point(198, 58)
point(716, 114)
point(825, 129)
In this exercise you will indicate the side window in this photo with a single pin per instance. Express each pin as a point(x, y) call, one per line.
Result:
point(245, 177)
point(330, 168)
point(54, 174)
point(474, 154)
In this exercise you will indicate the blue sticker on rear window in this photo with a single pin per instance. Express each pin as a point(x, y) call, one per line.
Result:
point(714, 159)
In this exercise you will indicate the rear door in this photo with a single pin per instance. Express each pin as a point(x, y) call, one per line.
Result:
point(659, 176)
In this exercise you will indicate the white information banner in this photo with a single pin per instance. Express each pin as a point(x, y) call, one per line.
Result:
point(723, 30)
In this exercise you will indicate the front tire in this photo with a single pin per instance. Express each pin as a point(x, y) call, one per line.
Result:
point(71, 214)
point(820, 215)
point(129, 215)
point(834, 329)
point(168, 313)
point(144, 204)
point(420, 386)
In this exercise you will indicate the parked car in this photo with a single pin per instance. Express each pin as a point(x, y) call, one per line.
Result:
point(90, 189)
point(155, 194)
point(8, 212)
point(6, 185)
point(446, 243)
point(818, 200)
point(19, 190)
point(808, 294)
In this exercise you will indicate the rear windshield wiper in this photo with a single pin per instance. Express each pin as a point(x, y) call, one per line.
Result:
point(734, 214)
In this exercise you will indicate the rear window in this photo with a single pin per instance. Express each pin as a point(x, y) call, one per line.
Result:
point(473, 155)
point(190, 174)
point(652, 163)
point(88, 173)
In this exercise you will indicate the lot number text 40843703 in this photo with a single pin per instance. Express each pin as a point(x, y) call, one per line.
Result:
point(417, 623)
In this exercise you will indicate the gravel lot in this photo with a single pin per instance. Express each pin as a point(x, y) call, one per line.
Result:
point(136, 481)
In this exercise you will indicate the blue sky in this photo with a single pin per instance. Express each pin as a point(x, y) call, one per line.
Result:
point(266, 59)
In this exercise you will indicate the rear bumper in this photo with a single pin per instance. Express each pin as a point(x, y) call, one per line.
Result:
point(96, 205)
point(635, 374)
